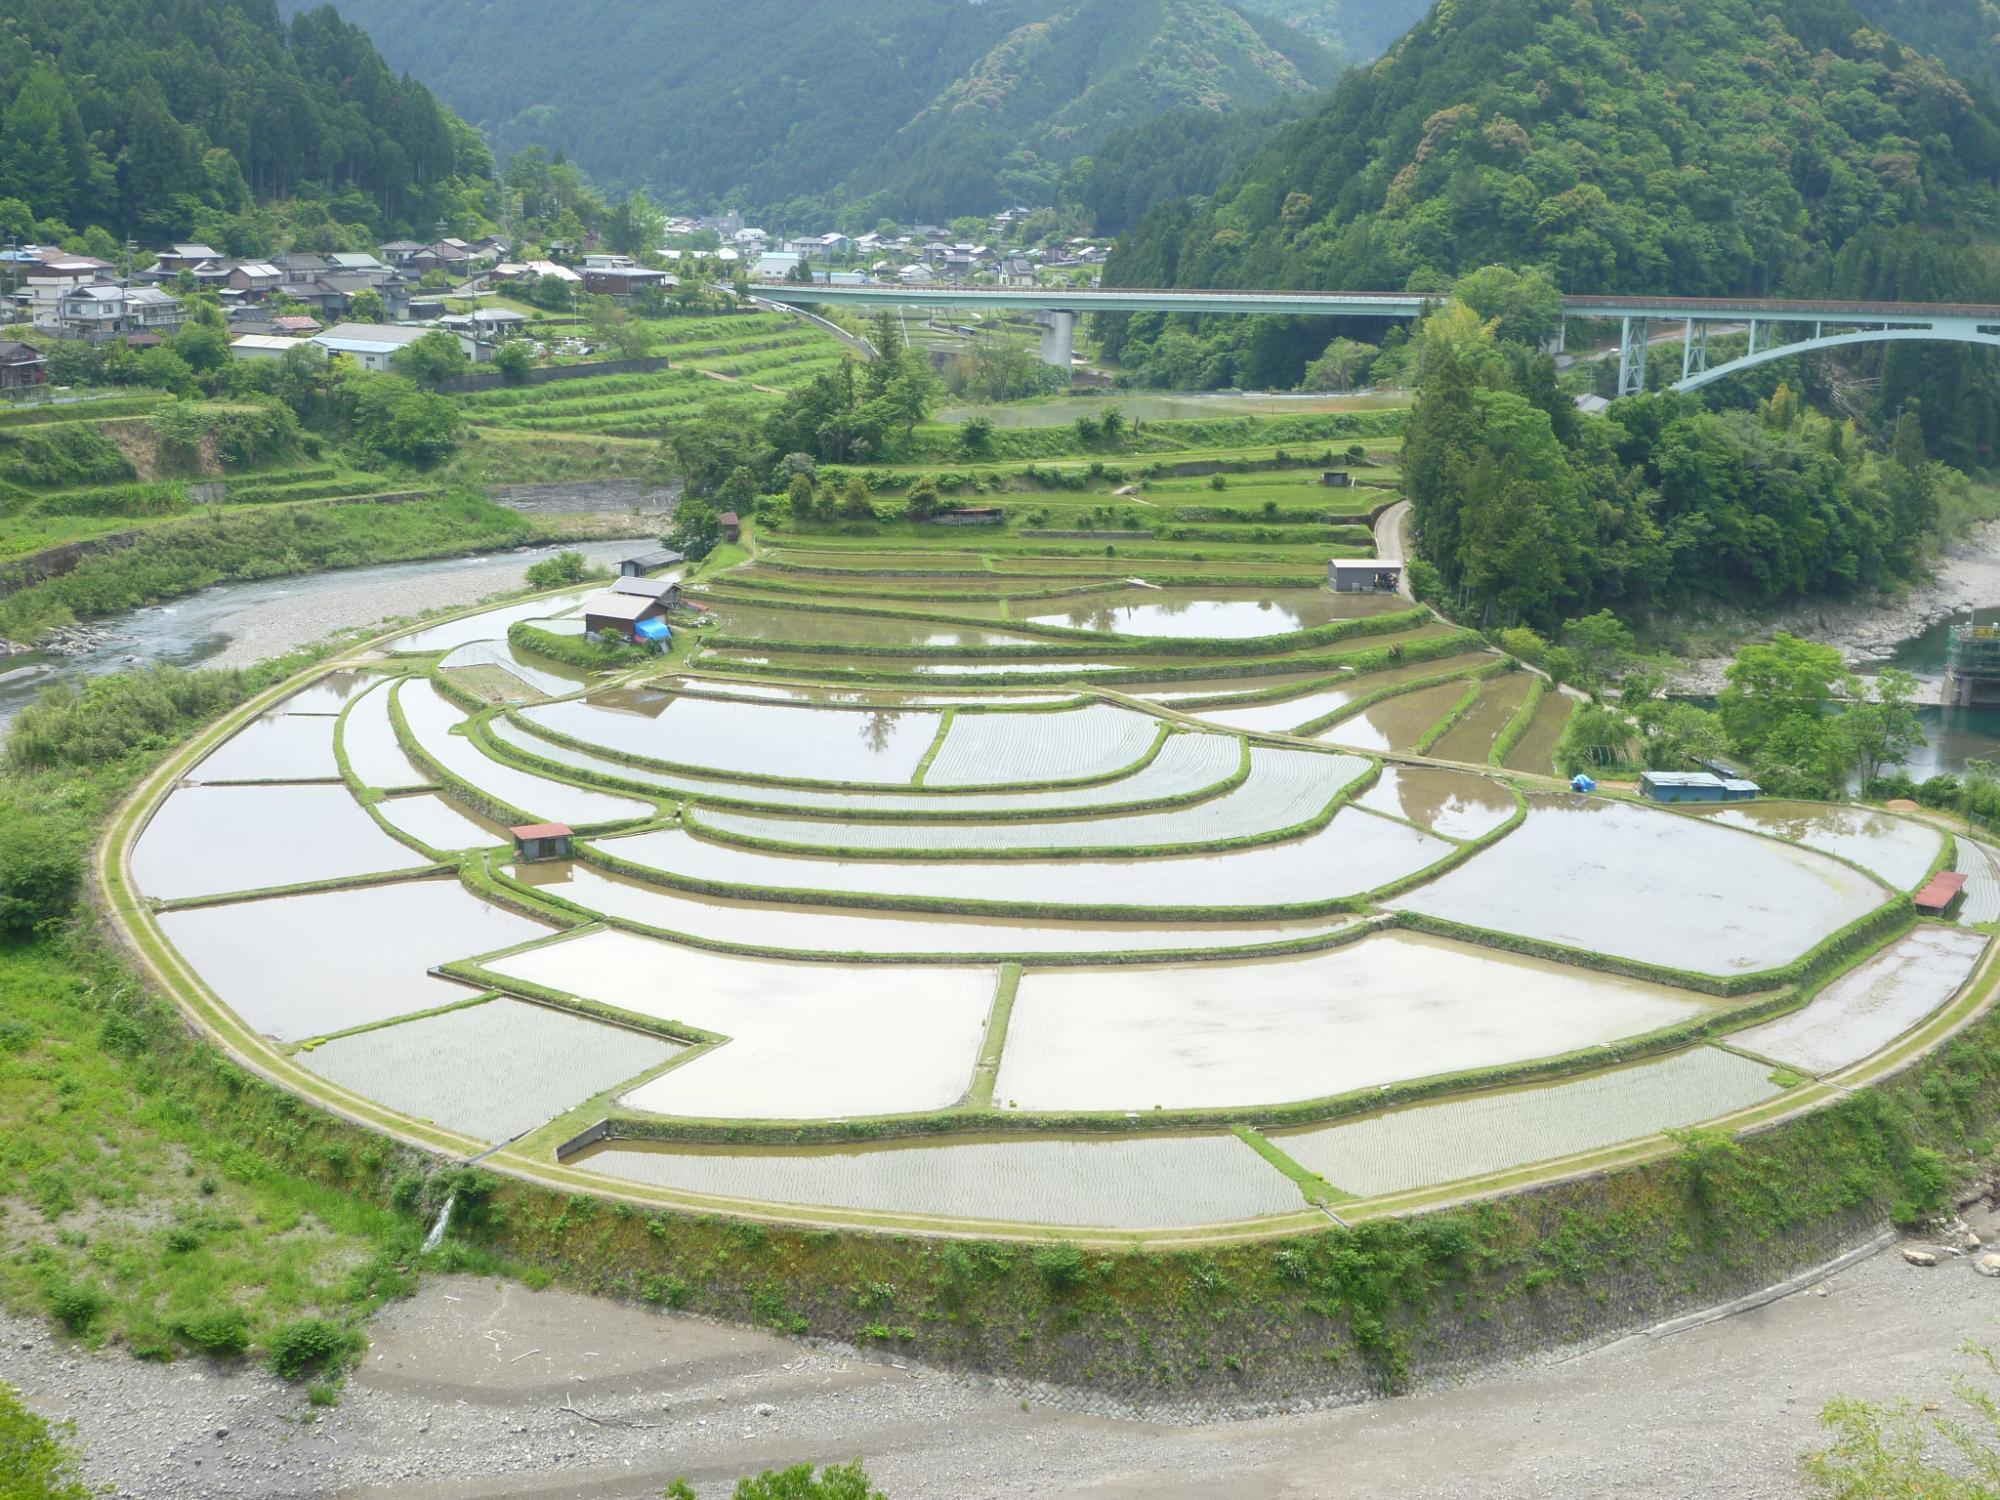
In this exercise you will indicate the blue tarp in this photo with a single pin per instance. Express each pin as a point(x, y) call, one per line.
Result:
point(653, 630)
point(1582, 783)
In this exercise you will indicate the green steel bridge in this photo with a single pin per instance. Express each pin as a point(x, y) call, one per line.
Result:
point(1777, 329)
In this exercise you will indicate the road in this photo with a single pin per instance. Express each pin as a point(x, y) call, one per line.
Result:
point(1390, 529)
point(476, 1389)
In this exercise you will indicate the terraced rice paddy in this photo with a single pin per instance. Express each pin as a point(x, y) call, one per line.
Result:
point(1201, 614)
point(487, 625)
point(845, 900)
point(491, 1071)
point(806, 1041)
point(207, 840)
point(368, 739)
point(1872, 1004)
point(855, 931)
point(432, 719)
point(1535, 750)
point(1159, 1183)
point(291, 967)
point(440, 822)
point(749, 739)
point(1590, 873)
point(276, 746)
point(1388, 1007)
point(1395, 724)
point(1472, 737)
point(1353, 853)
point(1284, 789)
point(1438, 1143)
point(1900, 850)
point(1085, 744)
point(1457, 804)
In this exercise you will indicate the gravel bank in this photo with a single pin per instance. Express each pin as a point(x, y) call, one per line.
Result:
point(474, 1390)
point(1967, 576)
point(325, 602)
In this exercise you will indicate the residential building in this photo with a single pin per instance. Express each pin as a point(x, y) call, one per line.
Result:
point(372, 345)
point(621, 281)
point(105, 310)
point(264, 345)
point(1017, 270)
point(186, 257)
point(21, 366)
point(398, 251)
point(254, 279)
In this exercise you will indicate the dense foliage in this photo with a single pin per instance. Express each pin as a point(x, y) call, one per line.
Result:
point(1965, 33)
point(37, 1461)
point(170, 119)
point(1726, 148)
point(907, 108)
point(1530, 510)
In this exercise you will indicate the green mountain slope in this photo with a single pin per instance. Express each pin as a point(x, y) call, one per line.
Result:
point(162, 119)
point(1647, 145)
point(1360, 29)
point(1965, 33)
point(913, 108)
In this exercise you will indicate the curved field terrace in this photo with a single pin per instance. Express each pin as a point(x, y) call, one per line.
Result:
point(1297, 919)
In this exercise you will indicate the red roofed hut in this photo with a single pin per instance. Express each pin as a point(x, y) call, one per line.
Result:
point(533, 841)
point(1936, 898)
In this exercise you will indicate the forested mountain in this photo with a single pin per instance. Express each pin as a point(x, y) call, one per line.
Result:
point(1648, 145)
point(163, 119)
point(1965, 33)
point(793, 108)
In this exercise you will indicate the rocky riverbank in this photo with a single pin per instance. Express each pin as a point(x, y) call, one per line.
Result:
point(1867, 632)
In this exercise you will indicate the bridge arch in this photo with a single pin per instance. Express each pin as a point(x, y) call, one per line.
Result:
point(1952, 332)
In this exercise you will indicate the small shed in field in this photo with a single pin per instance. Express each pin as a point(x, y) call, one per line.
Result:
point(1338, 479)
point(1943, 891)
point(732, 525)
point(649, 562)
point(666, 590)
point(1695, 786)
point(534, 841)
point(1364, 575)
point(619, 612)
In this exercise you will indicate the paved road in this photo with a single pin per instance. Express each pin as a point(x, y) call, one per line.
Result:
point(1389, 539)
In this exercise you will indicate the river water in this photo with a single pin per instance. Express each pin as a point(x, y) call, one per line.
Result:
point(1953, 736)
point(236, 624)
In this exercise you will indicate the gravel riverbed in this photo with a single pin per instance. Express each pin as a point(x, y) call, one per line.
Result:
point(476, 1389)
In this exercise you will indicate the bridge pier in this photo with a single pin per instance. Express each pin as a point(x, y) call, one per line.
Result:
point(1632, 335)
point(1058, 338)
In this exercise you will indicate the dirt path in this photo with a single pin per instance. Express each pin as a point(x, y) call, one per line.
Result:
point(476, 1390)
point(1390, 538)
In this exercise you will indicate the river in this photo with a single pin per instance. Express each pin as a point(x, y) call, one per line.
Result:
point(236, 624)
point(1953, 736)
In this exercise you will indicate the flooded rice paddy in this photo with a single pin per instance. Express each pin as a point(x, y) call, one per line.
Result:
point(208, 840)
point(1872, 1004)
point(1161, 1182)
point(752, 623)
point(329, 694)
point(537, 677)
point(1607, 876)
point(275, 746)
point(368, 739)
point(440, 822)
point(295, 967)
point(1472, 738)
point(1457, 804)
point(1200, 614)
point(1900, 850)
point(1395, 724)
point(431, 719)
point(1284, 789)
point(805, 1041)
point(751, 739)
point(1327, 697)
point(1353, 853)
point(492, 1071)
point(1079, 744)
point(1388, 1007)
point(1438, 1143)
point(859, 931)
point(487, 625)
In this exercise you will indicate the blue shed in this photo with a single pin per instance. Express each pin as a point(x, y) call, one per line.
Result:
point(1695, 786)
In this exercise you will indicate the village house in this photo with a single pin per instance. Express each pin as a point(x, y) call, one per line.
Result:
point(105, 310)
point(177, 258)
point(21, 366)
point(622, 281)
point(373, 345)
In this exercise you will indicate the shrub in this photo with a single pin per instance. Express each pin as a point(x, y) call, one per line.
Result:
point(76, 1306)
point(39, 871)
point(554, 572)
point(223, 1333)
point(308, 1346)
point(1060, 1266)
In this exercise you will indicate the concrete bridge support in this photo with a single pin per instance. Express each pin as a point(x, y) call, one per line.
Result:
point(1058, 337)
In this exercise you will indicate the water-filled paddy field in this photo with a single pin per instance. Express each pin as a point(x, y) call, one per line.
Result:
point(840, 902)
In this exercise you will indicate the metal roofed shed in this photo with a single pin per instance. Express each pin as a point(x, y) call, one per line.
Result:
point(1936, 898)
point(536, 841)
point(618, 612)
point(666, 590)
point(1695, 786)
point(647, 562)
point(1364, 575)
